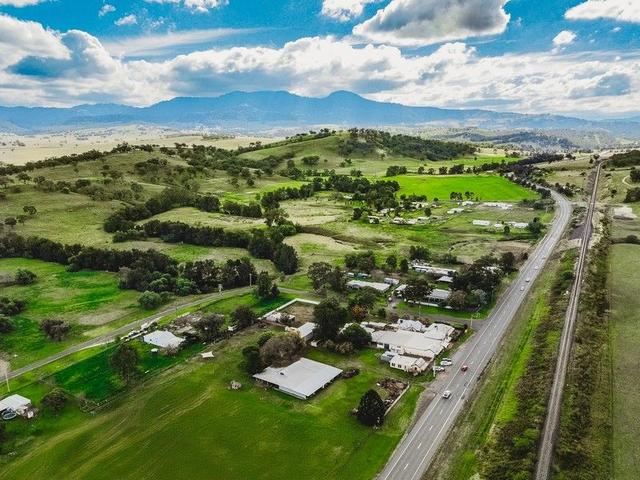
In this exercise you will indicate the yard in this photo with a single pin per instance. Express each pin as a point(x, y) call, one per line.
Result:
point(186, 423)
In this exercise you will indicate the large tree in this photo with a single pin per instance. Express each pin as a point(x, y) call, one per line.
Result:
point(281, 350)
point(244, 317)
point(209, 327)
point(329, 316)
point(252, 360)
point(371, 409)
point(124, 361)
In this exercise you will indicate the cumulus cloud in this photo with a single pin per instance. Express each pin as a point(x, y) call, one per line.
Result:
point(200, 6)
point(127, 20)
point(75, 67)
point(344, 10)
point(425, 22)
point(620, 10)
point(106, 8)
point(564, 38)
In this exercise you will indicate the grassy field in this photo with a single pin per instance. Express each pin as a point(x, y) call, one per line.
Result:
point(483, 187)
point(624, 280)
point(231, 434)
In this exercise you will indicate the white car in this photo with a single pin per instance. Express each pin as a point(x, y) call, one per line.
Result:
point(446, 394)
point(527, 280)
point(438, 369)
point(446, 363)
point(522, 289)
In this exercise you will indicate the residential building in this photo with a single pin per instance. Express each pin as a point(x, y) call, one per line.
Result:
point(163, 339)
point(409, 364)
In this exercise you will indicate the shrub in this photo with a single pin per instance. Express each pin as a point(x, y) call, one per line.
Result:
point(56, 330)
point(25, 277)
point(55, 401)
point(150, 300)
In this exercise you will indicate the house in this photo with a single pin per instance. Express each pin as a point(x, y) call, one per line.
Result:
point(431, 270)
point(398, 221)
point(358, 284)
point(17, 403)
point(440, 332)
point(304, 331)
point(404, 342)
point(481, 223)
point(453, 211)
point(391, 281)
point(422, 220)
point(373, 219)
point(438, 296)
point(411, 325)
point(163, 339)
point(467, 203)
point(301, 379)
point(445, 279)
point(500, 205)
point(409, 364)
point(520, 225)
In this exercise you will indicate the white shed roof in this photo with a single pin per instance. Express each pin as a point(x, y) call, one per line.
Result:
point(410, 342)
point(381, 287)
point(163, 339)
point(301, 379)
point(14, 402)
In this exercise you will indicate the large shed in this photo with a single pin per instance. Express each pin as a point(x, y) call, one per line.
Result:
point(301, 379)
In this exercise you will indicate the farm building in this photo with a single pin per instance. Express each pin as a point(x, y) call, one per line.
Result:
point(304, 331)
point(431, 270)
point(301, 379)
point(404, 342)
point(409, 364)
point(481, 223)
point(358, 284)
point(453, 211)
point(624, 213)
point(163, 339)
point(17, 403)
point(445, 279)
point(500, 205)
point(391, 281)
point(520, 225)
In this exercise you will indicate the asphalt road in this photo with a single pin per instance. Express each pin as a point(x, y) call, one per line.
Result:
point(545, 453)
point(416, 450)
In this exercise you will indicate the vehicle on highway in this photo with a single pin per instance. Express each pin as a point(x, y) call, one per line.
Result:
point(446, 394)
point(446, 363)
point(527, 280)
point(464, 368)
point(522, 289)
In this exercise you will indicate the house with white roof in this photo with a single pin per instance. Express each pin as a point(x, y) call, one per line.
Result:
point(17, 403)
point(440, 332)
point(301, 379)
point(411, 325)
point(163, 339)
point(404, 342)
point(358, 284)
point(481, 223)
point(415, 365)
point(304, 331)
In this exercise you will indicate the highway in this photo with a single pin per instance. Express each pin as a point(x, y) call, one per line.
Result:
point(545, 453)
point(418, 447)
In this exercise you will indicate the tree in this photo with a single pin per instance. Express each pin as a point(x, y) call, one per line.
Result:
point(319, 274)
point(252, 360)
point(30, 210)
point(25, 277)
point(508, 262)
point(54, 401)
point(265, 287)
point(329, 316)
point(392, 262)
point(56, 330)
point(404, 265)
point(286, 259)
point(356, 336)
point(124, 361)
point(281, 350)
point(371, 409)
point(244, 317)
point(209, 327)
point(150, 300)
point(5, 324)
point(10, 222)
point(506, 230)
point(535, 227)
point(417, 290)
point(458, 300)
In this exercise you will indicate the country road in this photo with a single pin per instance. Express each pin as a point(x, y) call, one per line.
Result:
point(419, 445)
point(545, 453)
point(108, 337)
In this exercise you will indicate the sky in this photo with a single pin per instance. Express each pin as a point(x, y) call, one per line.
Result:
point(575, 57)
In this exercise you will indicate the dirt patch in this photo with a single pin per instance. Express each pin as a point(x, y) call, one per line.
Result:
point(302, 311)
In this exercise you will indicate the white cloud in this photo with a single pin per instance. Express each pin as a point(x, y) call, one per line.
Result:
point(620, 10)
point(344, 10)
point(130, 19)
point(20, 38)
point(200, 6)
point(425, 22)
point(20, 3)
point(564, 38)
point(164, 43)
point(106, 8)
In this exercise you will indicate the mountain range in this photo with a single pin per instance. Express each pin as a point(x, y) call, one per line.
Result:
point(256, 111)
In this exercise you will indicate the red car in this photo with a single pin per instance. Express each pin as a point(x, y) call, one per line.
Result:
point(464, 368)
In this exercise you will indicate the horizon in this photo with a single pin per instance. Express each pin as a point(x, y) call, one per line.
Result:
point(577, 58)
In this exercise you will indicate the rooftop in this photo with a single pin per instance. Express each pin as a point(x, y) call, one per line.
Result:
point(163, 339)
point(301, 379)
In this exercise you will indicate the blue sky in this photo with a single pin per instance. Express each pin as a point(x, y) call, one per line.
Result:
point(563, 56)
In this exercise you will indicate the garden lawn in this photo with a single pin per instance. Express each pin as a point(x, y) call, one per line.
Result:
point(483, 187)
point(187, 423)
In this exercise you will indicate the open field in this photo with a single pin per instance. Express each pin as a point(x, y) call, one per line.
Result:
point(482, 187)
point(248, 429)
point(623, 281)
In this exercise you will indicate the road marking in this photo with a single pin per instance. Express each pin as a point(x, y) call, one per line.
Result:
point(420, 444)
point(405, 467)
point(431, 428)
